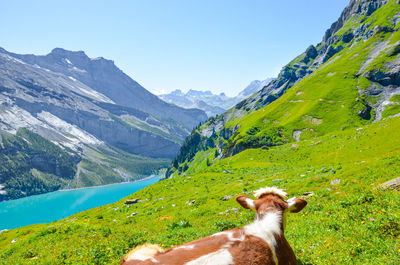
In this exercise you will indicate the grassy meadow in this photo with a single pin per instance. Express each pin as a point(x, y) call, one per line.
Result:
point(349, 220)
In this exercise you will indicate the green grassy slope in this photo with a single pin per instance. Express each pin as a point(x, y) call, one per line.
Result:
point(332, 98)
point(348, 220)
point(341, 157)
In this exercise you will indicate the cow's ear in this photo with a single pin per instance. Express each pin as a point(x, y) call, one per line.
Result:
point(295, 205)
point(245, 202)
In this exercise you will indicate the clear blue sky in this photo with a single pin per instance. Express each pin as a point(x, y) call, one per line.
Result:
point(218, 45)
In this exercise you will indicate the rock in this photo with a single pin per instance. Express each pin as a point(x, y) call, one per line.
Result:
point(276, 180)
point(365, 113)
point(14, 240)
point(297, 134)
point(393, 184)
point(116, 209)
point(191, 202)
point(346, 38)
point(133, 201)
point(317, 143)
point(311, 52)
point(379, 29)
point(173, 205)
point(335, 182)
point(294, 146)
point(308, 193)
point(227, 172)
point(227, 197)
point(231, 210)
point(133, 214)
point(264, 147)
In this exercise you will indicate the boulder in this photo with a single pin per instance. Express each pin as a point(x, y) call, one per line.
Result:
point(311, 52)
point(227, 197)
point(132, 201)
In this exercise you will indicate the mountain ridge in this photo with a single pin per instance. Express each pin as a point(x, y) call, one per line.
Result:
point(212, 104)
point(319, 140)
point(275, 116)
point(106, 78)
point(51, 96)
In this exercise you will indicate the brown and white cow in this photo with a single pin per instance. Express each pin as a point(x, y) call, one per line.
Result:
point(261, 242)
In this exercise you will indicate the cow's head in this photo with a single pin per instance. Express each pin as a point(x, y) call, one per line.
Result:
point(271, 199)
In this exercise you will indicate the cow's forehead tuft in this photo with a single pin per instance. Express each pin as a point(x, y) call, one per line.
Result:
point(270, 190)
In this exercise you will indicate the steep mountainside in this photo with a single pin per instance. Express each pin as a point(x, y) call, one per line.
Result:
point(210, 103)
point(317, 142)
point(113, 143)
point(349, 79)
point(105, 77)
point(347, 219)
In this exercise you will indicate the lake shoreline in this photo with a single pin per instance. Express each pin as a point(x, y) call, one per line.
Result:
point(54, 206)
point(106, 185)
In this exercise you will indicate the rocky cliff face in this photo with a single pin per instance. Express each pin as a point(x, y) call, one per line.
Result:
point(55, 105)
point(86, 108)
point(104, 77)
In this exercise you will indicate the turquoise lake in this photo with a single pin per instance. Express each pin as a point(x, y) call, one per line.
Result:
point(57, 205)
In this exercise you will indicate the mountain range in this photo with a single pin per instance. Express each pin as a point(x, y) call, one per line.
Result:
point(212, 104)
point(326, 130)
point(90, 110)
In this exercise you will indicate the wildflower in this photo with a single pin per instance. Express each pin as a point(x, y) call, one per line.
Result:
point(371, 219)
point(302, 249)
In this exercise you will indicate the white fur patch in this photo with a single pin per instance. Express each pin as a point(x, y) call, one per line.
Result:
point(265, 229)
point(291, 203)
point(250, 203)
point(143, 253)
point(220, 257)
point(186, 247)
point(274, 190)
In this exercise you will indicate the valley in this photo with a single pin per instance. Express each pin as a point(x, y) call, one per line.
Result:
point(326, 130)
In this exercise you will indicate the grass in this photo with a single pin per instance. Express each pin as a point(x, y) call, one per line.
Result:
point(391, 110)
point(330, 94)
point(395, 98)
point(348, 220)
point(340, 158)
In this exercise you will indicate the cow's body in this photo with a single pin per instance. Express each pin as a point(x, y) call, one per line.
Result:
point(259, 243)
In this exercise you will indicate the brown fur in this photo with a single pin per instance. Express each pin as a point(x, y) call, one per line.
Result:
point(244, 249)
point(252, 251)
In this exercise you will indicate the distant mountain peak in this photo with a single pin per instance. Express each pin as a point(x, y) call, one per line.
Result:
point(64, 52)
point(212, 104)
